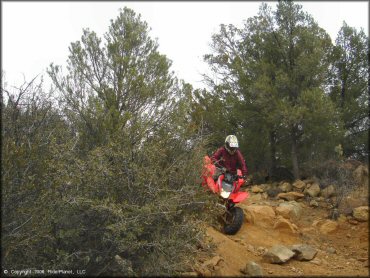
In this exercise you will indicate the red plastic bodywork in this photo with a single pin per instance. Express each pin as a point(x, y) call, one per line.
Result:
point(207, 181)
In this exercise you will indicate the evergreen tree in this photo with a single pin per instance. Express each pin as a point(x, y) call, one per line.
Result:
point(272, 67)
point(350, 89)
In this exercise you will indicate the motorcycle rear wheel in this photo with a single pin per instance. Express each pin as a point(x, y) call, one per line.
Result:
point(234, 221)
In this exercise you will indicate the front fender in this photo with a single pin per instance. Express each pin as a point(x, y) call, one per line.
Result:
point(239, 196)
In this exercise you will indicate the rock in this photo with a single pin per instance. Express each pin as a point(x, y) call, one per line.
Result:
point(290, 196)
point(256, 189)
point(353, 221)
point(212, 262)
point(259, 215)
point(361, 176)
point(250, 248)
point(265, 186)
point(261, 251)
point(328, 227)
point(303, 252)
point(273, 192)
point(347, 211)
point(285, 187)
point(316, 261)
point(278, 254)
point(284, 224)
point(331, 250)
point(291, 210)
point(328, 191)
point(252, 269)
point(314, 203)
point(313, 190)
point(299, 185)
point(361, 213)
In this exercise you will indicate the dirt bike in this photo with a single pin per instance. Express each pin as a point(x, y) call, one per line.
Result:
point(227, 186)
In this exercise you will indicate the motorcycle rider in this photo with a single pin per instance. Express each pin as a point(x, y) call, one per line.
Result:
point(229, 157)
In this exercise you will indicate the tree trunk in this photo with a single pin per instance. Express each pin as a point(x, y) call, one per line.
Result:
point(295, 154)
point(273, 151)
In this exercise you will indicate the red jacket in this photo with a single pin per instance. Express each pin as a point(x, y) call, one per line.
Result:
point(230, 162)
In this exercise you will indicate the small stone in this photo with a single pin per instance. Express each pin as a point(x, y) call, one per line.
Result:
point(316, 261)
point(250, 248)
point(261, 251)
point(353, 221)
point(331, 250)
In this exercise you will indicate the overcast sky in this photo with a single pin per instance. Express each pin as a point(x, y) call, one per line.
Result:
point(35, 34)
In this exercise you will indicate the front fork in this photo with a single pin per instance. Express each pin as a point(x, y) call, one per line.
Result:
point(228, 205)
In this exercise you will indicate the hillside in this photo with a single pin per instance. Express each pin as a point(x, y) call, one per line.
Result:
point(340, 243)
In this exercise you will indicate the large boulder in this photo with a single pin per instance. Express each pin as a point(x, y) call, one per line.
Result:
point(278, 254)
point(361, 213)
point(289, 210)
point(303, 252)
point(290, 196)
point(259, 215)
point(313, 190)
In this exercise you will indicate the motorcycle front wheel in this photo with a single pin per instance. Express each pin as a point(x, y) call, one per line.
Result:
point(234, 220)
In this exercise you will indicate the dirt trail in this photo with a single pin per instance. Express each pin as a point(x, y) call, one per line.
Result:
point(350, 241)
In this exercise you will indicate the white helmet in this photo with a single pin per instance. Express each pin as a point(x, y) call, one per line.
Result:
point(231, 144)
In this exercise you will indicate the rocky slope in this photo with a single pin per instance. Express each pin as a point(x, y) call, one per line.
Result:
point(293, 233)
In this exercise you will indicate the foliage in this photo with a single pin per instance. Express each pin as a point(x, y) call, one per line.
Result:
point(273, 72)
point(349, 89)
point(110, 181)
